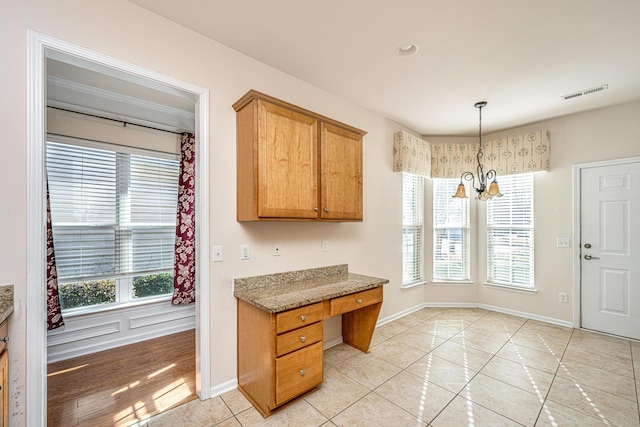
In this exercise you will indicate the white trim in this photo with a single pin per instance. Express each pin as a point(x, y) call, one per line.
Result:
point(511, 288)
point(577, 171)
point(413, 285)
point(332, 342)
point(553, 321)
point(223, 388)
point(452, 283)
point(38, 45)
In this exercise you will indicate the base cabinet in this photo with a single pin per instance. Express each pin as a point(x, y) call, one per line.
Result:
point(4, 376)
point(280, 355)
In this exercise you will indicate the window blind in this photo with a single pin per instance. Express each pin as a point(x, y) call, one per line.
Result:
point(450, 232)
point(510, 233)
point(112, 213)
point(412, 228)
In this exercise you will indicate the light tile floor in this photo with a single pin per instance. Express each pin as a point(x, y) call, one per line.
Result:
point(455, 367)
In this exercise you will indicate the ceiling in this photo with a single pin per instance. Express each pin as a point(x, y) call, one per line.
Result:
point(520, 56)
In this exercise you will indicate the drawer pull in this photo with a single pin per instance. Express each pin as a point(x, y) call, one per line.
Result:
point(359, 300)
point(303, 317)
point(303, 338)
point(302, 372)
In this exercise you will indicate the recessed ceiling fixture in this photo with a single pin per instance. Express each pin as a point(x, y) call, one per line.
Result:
point(407, 49)
point(482, 177)
point(585, 92)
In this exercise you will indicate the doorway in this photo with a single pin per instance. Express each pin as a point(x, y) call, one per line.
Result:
point(40, 47)
point(608, 246)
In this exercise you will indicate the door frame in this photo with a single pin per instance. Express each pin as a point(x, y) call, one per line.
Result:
point(577, 226)
point(36, 345)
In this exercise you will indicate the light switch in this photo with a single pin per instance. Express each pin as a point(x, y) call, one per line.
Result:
point(562, 242)
point(216, 253)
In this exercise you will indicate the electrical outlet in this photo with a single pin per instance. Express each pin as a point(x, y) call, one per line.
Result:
point(562, 242)
point(216, 253)
point(244, 252)
point(325, 246)
point(563, 297)
point(276, 249)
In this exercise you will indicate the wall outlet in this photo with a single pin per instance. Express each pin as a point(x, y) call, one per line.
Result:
point(563, 297)
point(276, 249)
point(216, 253)
point(325, 246)
point(244, 252)
point(562, 242)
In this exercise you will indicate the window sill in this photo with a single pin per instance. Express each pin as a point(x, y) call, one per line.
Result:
point(95, 309)
point(452, 283)
point(512, 288)
point(413, 285)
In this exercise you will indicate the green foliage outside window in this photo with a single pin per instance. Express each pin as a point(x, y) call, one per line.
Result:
point(152, 285)
point(83, 294)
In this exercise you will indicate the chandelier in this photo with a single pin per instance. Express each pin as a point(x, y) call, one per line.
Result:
point(482, 178)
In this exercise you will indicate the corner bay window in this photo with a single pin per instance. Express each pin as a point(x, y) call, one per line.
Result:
point(113, 214)
point(412, 229)
point(510, 233)
point(450, 232)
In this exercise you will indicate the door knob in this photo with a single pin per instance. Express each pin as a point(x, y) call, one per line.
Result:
point(587, 245)
point(588, 257)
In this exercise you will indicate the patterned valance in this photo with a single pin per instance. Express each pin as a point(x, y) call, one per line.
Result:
point(528, 152)
point(411, 154)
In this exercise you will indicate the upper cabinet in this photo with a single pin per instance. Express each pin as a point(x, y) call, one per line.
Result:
point(295, 165)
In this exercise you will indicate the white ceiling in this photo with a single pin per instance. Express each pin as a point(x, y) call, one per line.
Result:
point(520, 56)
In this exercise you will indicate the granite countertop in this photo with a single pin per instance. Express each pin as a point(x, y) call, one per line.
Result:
point(284, 291)
point(6, 301)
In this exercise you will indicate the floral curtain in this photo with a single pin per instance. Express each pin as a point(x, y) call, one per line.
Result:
point(54, 313)
point(184, 269)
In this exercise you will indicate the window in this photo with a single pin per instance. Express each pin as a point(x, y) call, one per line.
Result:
point(412, 229)
point(510, 233)
point(113, 215)
point(450, 232)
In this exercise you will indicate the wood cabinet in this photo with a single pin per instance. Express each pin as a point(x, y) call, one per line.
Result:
point(295, 165)
point(4, 376)
point(280, 355)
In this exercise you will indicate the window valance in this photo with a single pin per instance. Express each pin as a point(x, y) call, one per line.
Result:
point(528, 152)
point(411, 154)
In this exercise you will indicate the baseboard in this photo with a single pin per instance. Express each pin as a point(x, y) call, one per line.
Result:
point(332, 342)
point(553, 321)
point(526, 315)
point(224, 387)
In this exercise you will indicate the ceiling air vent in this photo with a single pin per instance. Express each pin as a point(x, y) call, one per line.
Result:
point(585, 92)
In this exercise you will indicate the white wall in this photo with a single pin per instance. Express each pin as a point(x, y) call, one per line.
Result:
point(126, 32)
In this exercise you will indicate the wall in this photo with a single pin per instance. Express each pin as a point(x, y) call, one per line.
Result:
point(129, 33)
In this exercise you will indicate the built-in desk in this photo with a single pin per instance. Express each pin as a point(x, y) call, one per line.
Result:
point(280, 328)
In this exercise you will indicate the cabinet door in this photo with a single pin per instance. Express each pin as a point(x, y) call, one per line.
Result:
point(287, 163)
point(341, 168)
point(4, 390)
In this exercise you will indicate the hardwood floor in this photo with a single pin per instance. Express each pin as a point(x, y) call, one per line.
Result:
point(122, 386)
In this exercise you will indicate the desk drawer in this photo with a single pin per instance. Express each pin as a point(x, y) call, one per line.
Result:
point(298, 372)
point(295, 340)
point(298, 317)
point(355, 301)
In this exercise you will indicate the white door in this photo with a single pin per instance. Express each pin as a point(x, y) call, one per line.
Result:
point(610, 248)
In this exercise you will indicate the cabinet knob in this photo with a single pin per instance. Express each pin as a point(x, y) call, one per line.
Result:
point(303, 317)
point(302, 372)
point(315, 209)
point(359, 300)
point(326, 209)
point(303, 338)
point(5, 339)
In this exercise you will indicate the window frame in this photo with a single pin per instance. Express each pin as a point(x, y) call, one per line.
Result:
point(512, 227)
point(413, 203)
point(124, 292)
point(444, 188)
